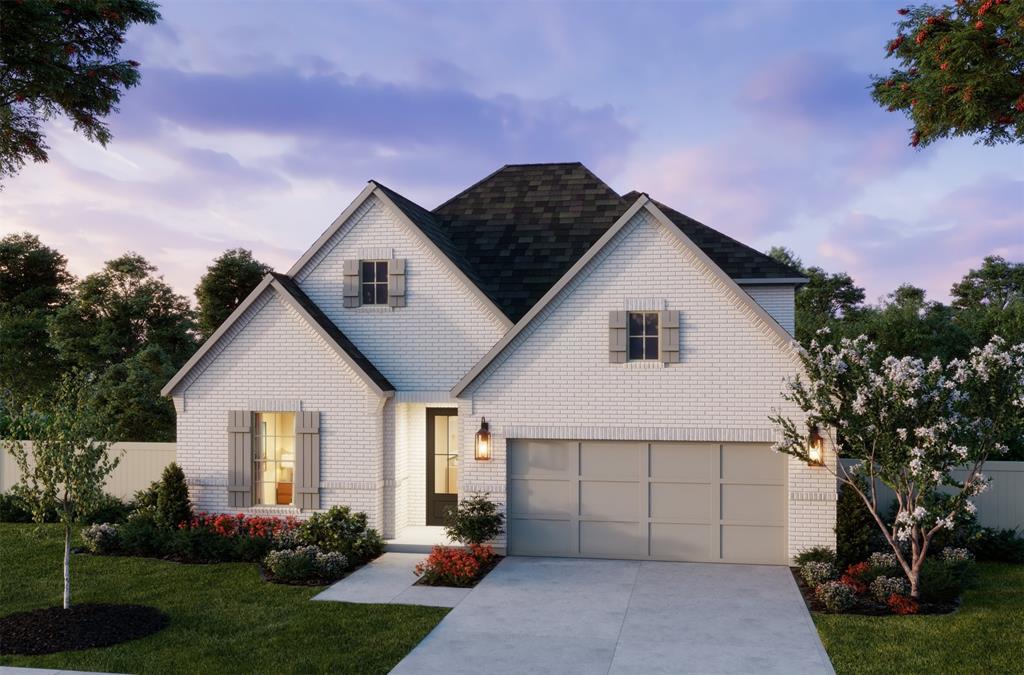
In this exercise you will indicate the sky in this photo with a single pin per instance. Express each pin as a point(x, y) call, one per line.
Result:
point(257, 123)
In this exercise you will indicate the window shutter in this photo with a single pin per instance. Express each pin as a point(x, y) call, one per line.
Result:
point(669, 338)
point(239, 459)
point(307, 460)
point(351, 276)
point(396, 282)
point(617, 337)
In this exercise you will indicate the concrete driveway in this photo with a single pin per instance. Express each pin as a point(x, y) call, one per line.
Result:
point(556, 615)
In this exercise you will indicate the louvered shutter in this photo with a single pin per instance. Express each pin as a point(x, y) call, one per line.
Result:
point(668, 321)
point(239, 459)
point(617, 337)
point(307, 460)
point(351, 277)
point(396, 282)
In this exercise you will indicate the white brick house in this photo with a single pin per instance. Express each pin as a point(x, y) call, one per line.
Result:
point(625, 358)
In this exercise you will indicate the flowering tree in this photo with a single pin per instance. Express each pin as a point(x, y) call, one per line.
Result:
point(959, 71)
point(911, 424)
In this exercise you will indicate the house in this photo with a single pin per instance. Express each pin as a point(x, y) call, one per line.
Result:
point(618, 359)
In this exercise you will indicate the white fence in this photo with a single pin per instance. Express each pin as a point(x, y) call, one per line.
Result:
point(141, 464)
point(1001, 506)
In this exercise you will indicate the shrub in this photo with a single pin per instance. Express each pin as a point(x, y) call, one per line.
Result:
point(226, 537)
point(145, 499)
point(836, 596)
point(109, 509)
point(884, 562)
point(292, 565)
point(882, 588)
point(815, 554)
point(941, 582)
point(330, 565)
point(475, 521)
point(172, 504)
point(449, 566)
point(998, 545)
point(13, 509)
point(902, 605)
point(857, 533)
point(101, 538)
point(140, 535)
point(816, 573)
point(957, 556)
point(857, 577)
point(342, 531)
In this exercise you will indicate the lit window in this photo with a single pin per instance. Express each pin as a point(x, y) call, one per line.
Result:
point(643, 336)
point(274, 458)
point(374, 281)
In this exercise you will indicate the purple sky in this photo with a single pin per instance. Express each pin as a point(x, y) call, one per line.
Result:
point(256, 123)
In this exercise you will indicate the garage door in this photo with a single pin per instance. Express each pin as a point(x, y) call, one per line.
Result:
point(706, 502)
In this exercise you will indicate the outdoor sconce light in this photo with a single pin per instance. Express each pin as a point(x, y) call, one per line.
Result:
point(815, 448)
point(483, 442)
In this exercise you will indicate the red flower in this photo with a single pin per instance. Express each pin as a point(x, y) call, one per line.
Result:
point(902, 605)
point(905, 86)
point(895, 44)
point(978, 25)
point(932, 20)
point(945, 65)
point(984, 8)
point(950, 88)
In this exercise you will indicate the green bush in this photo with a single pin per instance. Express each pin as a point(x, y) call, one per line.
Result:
point(994, 545)
point(942, 582)
point(342, 531)
point(857, 533)
point(815, 554)
point(14, 510)
point(172, 504)
point(145, 499)
point(883, 587)
point(141, 535)
point(475, 521)
point(306, 563)
point(110, 509)
point(101, 538)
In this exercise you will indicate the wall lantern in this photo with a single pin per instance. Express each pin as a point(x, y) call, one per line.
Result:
point(815, 448)
point(483, 442)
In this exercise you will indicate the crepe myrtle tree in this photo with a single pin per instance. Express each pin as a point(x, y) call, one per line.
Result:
point(66, 468)
point(911, 424)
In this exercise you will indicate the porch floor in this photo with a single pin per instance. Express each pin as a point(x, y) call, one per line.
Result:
point(418, 539)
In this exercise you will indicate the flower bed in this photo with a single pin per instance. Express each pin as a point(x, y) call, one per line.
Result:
point(457, 567)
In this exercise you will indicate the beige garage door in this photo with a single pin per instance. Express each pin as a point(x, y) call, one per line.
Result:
point(707, 502)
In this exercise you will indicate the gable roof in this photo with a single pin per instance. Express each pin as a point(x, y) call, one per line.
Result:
point(289, 291)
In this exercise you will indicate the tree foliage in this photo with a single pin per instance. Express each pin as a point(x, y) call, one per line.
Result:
point(62, 58)
point(227, 282)
point(960, 72)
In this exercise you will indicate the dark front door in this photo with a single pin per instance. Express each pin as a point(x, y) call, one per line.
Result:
point(442, 463)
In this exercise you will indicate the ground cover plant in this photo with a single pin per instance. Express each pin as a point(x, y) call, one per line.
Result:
point(474, 522)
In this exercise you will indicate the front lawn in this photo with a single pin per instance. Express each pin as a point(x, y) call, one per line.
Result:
point(984, 635)
point(223, 618)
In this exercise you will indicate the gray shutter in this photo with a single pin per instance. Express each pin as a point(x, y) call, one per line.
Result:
point(351, 276)
point(617, 337)
point(307, 460)
point(396, 282)
point(239, 459)
point(668, 323)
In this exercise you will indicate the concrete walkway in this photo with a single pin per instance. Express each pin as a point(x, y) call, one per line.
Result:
point(547, 615)
point(389, 580)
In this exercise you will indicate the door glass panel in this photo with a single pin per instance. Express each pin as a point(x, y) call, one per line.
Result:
point(440, 474)
point(446, 455)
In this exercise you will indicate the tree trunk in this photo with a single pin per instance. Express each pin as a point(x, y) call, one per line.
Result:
point(67, 567)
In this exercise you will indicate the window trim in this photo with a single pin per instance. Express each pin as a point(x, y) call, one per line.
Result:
point(644, 336)
point(376, 283)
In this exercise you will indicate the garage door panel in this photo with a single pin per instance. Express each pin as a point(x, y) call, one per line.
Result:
point(754, 504)
point(752, 463)
point(619, 461)
point(674, 541)
point(610, 540)
point(689, 462)
point(542, 537)
point(610, 500)
point(753, 543)
point(542, 458)
point(542, 497)
point(681, 502)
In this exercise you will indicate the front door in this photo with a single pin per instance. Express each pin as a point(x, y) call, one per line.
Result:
point(442, 463)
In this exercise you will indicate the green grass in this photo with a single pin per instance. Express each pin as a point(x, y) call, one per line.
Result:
point(985, 635)
point(223, 618)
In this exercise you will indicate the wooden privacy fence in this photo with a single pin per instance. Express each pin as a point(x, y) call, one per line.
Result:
point(1001, 506)
point(141, 464)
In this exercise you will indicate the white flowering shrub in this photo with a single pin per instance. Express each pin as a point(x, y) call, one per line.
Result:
point(882, 587)
point(956, 556)
point(817, 572)
point(100, 538)
point(331, 565)
point(910, 424)
point(305, 563)
point(883, 561)
point(836, 596)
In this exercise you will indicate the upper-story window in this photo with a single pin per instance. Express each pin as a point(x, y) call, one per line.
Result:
point(374, 282)
point(643, 336)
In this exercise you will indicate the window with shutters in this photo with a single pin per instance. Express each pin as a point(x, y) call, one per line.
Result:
point(642, 334)
point(373, 280)
point(273, 458)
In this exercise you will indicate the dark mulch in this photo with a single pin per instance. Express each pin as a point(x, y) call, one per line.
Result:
point(864, 606)
point(268, 576)
point(484, 571)
point(54, 629)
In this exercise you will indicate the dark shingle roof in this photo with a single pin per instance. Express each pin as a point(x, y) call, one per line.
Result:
point(518, 231)
point(333, 331)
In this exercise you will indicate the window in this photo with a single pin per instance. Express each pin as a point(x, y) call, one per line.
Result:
point(643, 336)
point(374, 282)
point(274, 458)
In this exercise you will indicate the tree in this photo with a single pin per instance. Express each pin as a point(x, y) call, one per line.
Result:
point(910, 425)
point(960, 71)
point(990, 301)
point(32, 275)
point(62, 57)
point(128, 395)
point(905, 323)
point(227, 282)
point(66, 468)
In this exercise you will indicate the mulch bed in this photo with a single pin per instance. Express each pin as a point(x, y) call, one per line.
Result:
point(864, 606)
point(54, 629)
point(484, 571)
point(267, 576)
